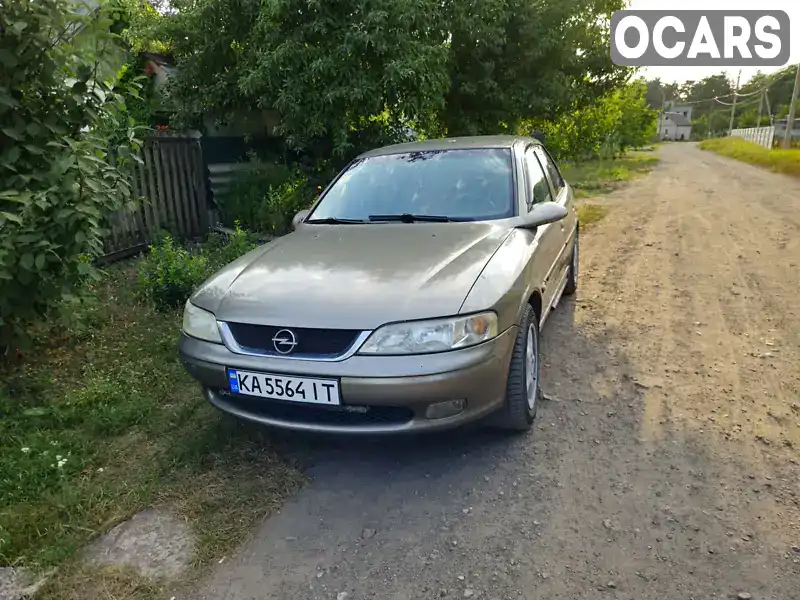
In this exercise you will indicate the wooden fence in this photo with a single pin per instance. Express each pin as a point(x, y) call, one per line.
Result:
point(172, 183)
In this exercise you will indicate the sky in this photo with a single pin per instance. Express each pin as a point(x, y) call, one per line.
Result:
point(681, 74)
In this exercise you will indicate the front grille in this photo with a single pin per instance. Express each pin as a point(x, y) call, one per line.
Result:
point(323, 415)
point(310, 342)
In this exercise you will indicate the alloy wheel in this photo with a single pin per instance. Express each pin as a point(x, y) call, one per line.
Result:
point(532, 366)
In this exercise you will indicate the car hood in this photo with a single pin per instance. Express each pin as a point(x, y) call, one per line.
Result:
point(354, 276)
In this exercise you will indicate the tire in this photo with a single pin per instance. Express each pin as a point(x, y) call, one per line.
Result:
point(518, 413)
point(574, 266)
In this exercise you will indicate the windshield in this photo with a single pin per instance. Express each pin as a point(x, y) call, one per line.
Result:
point(462, 185)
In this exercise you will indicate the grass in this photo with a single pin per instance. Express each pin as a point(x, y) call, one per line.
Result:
point(112, 583)
point(590, 213)
point(602, 176)
point(777, 160)
point(98, 421)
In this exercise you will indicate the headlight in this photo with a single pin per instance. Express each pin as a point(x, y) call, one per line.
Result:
point(424, 337)
point(200, 324)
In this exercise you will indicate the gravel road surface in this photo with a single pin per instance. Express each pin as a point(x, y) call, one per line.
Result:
point(665, 463)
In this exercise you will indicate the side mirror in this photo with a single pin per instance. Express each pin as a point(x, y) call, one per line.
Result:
point(546, 212)
point(299, 218)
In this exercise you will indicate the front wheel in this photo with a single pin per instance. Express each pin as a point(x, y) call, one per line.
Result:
point(522, 389)
point(572, 275)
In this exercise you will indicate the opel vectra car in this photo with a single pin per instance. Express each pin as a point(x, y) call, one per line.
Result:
point(409, 297)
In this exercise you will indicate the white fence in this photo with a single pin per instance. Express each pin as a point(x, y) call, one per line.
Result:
point(762, 136)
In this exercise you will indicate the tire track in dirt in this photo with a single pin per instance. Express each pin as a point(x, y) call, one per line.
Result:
point(706, 238)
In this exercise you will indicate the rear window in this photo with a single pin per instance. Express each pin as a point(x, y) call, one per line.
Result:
point(463, 185)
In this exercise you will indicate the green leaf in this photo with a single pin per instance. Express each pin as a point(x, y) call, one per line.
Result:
point(9, 194)
point(11, 217)
point(88, 209)
point(8, 59)
point(27, 238)
point(12, 133)
point(5, 98)
point(36, 411)
point(26, 262)
point(64, 213)
point(84, 72)
point(40, 260)
point(12, 155)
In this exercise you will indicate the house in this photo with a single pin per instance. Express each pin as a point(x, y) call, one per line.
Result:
point(675, 121)
point(675, 126)
point(683, 109)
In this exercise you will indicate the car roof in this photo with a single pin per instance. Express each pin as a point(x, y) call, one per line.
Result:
point(454, 143)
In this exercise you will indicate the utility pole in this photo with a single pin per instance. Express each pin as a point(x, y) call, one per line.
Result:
point(760, 107)
point(735, 95)
point(769, 108)
point(787, 138)
point(710, 116)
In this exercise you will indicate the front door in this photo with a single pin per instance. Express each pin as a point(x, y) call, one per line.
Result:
point(564, 195)
point(548, 238)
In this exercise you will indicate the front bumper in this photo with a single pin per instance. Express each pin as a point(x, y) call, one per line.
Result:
point(380, 394)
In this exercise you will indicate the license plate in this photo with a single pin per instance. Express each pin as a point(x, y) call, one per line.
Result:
point(283, 387)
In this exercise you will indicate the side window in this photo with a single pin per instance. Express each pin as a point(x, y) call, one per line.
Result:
point(552, 170)
point(537, 182)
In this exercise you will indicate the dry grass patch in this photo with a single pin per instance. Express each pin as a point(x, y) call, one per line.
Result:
point(589, 214)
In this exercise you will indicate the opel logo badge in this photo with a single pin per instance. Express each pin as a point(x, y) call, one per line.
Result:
point(284, 341)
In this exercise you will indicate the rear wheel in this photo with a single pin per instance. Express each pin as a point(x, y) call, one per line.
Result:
point(522, 389)
point(572, 275)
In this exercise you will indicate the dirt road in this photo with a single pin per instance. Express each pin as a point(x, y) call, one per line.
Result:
point(666, 463)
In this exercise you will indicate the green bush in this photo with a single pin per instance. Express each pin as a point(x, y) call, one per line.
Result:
point(169, 273)
point(606, 128)
point(65, 148)
point(221, 248)
point(265, 198)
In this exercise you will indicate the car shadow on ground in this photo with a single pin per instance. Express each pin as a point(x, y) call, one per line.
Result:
point(434, 451)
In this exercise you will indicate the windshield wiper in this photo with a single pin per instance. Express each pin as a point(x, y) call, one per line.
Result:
point(411, 218)
point(334, 221)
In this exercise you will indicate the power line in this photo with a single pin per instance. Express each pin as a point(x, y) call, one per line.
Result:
point(777, 77)
point(746, 102)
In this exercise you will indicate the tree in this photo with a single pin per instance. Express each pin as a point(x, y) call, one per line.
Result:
point(347, 75)
point(637, 120)
point(620, 120)
point(702, 92)
point(780, 86)
point(60, 173)
point(658, 93)
point(516, 59)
